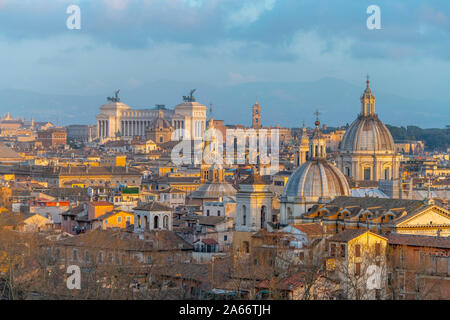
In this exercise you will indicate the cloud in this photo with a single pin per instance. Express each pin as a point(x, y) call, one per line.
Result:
point(250, 12)
point(116, 4)
point(237, 78)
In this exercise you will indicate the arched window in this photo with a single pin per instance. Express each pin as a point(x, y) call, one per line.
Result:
point(166, 222)
point(244, 215)
point(347, 171)
point(146, 223)
point(139, 221)
point(367, 175)
point(387, 174)
point(263, 216)
point(156, 222)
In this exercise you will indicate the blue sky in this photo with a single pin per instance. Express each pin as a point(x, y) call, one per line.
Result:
point(129, 44)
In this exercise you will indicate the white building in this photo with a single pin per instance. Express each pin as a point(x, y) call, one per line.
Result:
point(152, 216)
point(253, 205)
point(118, 119)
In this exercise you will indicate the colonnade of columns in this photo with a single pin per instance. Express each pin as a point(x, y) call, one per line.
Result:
point(103, 128)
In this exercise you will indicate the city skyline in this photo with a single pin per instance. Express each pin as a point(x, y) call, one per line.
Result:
point(245, 46)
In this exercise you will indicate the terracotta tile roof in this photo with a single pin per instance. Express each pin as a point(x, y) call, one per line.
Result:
point(288, 284)
point(347, 235)
point(73, 211)
point(206, 220)
point(101, 203)
point(419, 240)
point(309, 228)
point(153, 206)
point(209, 241)
point(382, 203)
point(189, 271)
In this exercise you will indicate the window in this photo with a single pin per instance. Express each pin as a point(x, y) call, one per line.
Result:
point(366, 173)
point(225, 238)
point(75, 255)
point(343, 250)
point(333, 249)
point(119, 219)
point(128, 219)
point(58, 253)
point(301, 256)
point(218, 213)
point(207, 212)
point(387, 174)
point(347, 170)
point(87, 257)
point(246, 246)
point(421, 258)
point(100, 257)
point(357, 250)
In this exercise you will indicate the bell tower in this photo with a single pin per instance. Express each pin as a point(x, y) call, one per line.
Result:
point(301, 154)
point(256, 118)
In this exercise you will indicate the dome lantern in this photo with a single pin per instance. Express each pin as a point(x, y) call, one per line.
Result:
point(367, 101)
point(317, 144)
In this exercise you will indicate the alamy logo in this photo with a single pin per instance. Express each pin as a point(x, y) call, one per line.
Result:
point(74, 280)
point(373, 21)
point(374, 277)
point(74, 20)
point(263, 148)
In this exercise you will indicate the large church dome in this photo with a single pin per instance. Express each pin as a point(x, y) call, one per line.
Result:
point(368, 132)
point(317, 180)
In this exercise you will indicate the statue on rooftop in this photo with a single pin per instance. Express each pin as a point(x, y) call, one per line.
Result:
point(115, 98)
point(191, 97)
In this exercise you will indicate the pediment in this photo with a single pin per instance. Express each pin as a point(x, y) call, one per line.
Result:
point(428, 217)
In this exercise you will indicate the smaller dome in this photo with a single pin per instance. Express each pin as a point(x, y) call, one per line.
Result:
point(317, 180)
point(160, 122)
point(212, 190)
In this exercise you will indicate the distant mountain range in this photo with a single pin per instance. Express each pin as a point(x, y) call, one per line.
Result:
point(283, 103)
